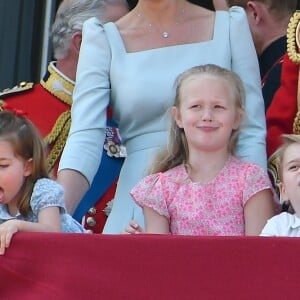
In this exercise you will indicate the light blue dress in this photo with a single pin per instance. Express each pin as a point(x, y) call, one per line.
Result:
point(139, 86)
point(46, 193)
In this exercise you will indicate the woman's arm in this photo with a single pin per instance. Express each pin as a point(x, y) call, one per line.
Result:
point(75, 186)
point(82, 153)
point(258, 209)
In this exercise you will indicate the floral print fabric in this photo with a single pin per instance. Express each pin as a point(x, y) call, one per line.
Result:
point(193, 208)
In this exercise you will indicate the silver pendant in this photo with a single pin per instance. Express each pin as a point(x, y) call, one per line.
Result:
point(165, 34)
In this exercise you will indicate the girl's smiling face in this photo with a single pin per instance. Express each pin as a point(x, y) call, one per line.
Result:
point(13, 171)
point(290, 185)
point(207, 112)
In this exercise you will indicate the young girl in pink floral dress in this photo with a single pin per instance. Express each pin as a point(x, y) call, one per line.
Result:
point(197, 186)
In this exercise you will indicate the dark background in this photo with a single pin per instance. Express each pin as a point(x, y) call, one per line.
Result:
point(21, 38)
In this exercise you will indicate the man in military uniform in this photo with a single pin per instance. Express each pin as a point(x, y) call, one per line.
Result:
point(48, 103)
point(268, 22)
point(284, 115)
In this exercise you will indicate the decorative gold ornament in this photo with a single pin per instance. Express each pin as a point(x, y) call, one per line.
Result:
point(62, 88)
point(57, 138)
point(293, 38)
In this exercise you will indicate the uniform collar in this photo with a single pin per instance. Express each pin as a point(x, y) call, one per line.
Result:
point(271, 54)
point(58, 84)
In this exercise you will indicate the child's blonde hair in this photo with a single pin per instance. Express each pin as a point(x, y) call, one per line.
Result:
point(288, 139)
point(177, 152)
point(27, 144)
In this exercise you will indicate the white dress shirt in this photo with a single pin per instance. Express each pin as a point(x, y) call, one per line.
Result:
point(284, 224)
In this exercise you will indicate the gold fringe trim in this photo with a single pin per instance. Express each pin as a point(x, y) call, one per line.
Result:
point(296, 124)
point(56, 139)
point(293, 44)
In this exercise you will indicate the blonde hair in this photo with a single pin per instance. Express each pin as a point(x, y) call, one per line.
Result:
point(288, 139)
point(27, 144)
point(177, 152)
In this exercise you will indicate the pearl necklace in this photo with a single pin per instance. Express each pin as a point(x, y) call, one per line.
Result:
point(164, 34)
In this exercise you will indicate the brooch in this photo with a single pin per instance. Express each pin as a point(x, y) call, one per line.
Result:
point(113, 144)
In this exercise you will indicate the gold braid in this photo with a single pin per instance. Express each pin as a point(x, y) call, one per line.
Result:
point(62, 89)
point(296, 124)
point(57, 138)
point(292, 38)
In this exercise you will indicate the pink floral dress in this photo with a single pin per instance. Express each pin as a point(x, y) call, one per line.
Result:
point(193, 208)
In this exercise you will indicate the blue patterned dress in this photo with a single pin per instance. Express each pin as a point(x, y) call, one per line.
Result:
point(46, 193)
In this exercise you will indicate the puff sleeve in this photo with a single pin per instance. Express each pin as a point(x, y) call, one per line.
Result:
point(150, 192)
point(254, 180)
point(47, 193)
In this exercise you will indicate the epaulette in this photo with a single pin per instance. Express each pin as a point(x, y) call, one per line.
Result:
point(21, 87)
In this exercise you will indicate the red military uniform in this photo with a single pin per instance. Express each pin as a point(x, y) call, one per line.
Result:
point(44, 104)
point(283, 109)
point(48, 105)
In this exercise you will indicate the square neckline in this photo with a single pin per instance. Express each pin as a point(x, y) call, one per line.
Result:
point(111, 27)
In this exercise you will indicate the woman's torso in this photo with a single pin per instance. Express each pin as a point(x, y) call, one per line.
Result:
point(142, 83)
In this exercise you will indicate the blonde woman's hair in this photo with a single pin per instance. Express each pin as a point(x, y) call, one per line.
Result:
point(27, 144)
point(176, 151)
